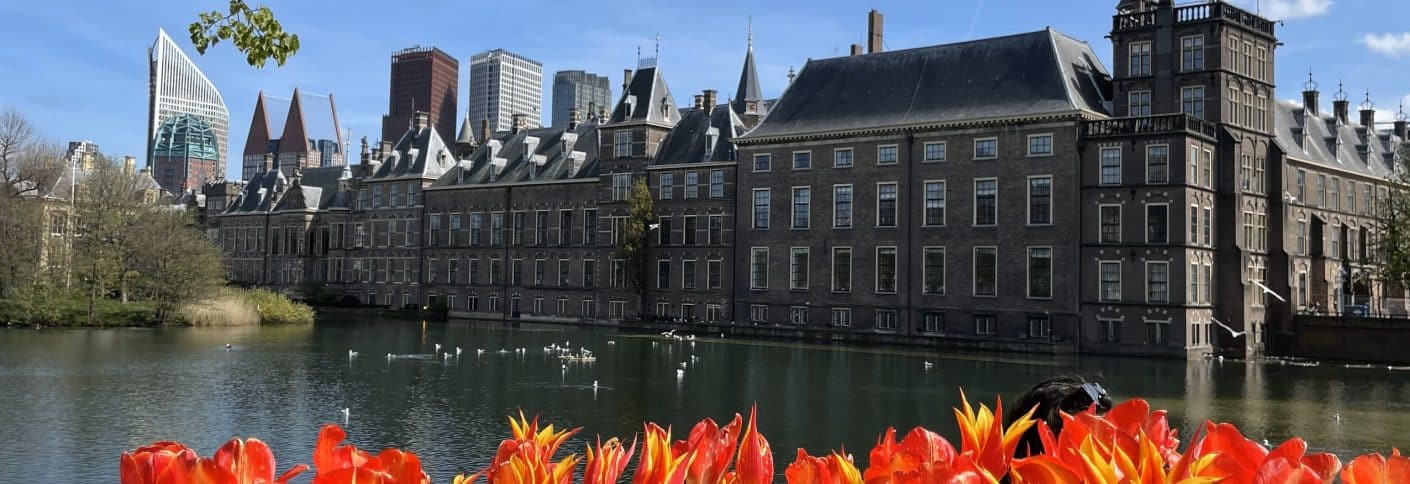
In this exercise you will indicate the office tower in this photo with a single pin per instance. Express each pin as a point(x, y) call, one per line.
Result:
point(503, 84)
point(178, 87)
point(577, 89)
point(423, 79)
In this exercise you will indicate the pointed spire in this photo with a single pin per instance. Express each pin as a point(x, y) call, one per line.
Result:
point(257, 142)
point(750, 28)
point(748, 98)
point(295, 137)
point(467, 136)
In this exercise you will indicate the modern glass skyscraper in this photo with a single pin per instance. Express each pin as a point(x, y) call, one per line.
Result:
point(578, 89)
point(176, 86)
point(503, 84)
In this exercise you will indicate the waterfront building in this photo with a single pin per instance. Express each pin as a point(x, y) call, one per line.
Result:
point(423, 79)
point(584, 91)
point(186, 154)
point(307, 135)
point(176, 86)
point(503, 84)
point(1003, 193)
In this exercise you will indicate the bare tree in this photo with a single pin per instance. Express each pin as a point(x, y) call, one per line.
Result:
point(30, 165)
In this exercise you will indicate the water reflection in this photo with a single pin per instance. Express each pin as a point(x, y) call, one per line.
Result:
point(72, 400)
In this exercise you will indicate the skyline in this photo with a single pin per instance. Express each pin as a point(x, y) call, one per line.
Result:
point(89, 81)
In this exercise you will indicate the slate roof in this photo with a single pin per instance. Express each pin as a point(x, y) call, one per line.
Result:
point(651, 100)
point(257, 142)
point(419, 153)
point(257, 194)
point(1333, 144)
point(687, 142)
point(556, 149)
point(749, 86)
point(1018, 75)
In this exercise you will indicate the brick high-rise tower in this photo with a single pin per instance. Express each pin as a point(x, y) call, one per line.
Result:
point(422, 79)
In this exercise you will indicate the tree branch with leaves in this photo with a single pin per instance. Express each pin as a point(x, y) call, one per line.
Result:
point(634, 241)
point(253, 31)
point(1393, 227)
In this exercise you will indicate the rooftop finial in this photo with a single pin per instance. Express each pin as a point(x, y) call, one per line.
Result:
point(1311, 85)
point(1341, 91)
point(750, 28)
point(1400, 115)
point(658, 46)
point(1367, 105)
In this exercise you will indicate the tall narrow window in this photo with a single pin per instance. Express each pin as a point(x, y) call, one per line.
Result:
point(1194, 225)
point(714, 273)
point(802, 203)
point(1140, 59)
point(986, 194)
point(759, 268)
point(1157, 164)
point(934, 271)
point(798, 269)
point(621, 186)
point(590, 226)
point(886, 205)
point(663, 274)
point(886, 270)
point(689, 230)
point(1192, 53)
point(717, 230)
point(1111, 166)
point(761, 208)
point(1040, 200)
point(692, 185)
point(688, 274)
point(1040, 272)
point(986, 277)
point(1139, 103)
point(1157, 282)
point(622, 147)
point(934, 203)
point(497, 228)
point(1110, 218)
point(1110, 274)
point(1192, 101)
point(667, 187)
point(717, 183)
point(842, 206)
point(663, 230)
point(841, 269)
point(1157, 224)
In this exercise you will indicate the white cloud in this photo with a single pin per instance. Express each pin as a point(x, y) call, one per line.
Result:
point(1289, 9)
point(1394, 45)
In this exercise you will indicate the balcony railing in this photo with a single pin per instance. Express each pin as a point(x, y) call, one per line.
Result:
point(1196, 13)
point(1164, 123)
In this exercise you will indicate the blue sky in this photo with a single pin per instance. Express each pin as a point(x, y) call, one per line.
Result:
point(77, 68)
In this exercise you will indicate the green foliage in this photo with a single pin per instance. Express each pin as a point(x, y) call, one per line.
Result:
point(275, 308)
point(634, 241)
point(1392, 240)
point(253, 31)
point(173, 264)
point(54, 307)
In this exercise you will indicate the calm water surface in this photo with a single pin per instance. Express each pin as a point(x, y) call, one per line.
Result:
point(72, 400)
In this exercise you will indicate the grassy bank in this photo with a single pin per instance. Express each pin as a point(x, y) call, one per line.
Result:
point(224, 307)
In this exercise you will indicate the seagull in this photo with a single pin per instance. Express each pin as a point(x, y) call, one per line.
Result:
point(680, 373)
point(1266, 290)
point(1267, 444)
point(345, 415)
point(438, 347)
point(565, 368)
point(611, 343)
point(446, 356)
point(929, 365)
point(1227, 328)
point(457, 351)
point(683, 364)
point(352, 354)
point(594, 384)
point(1337, 417)
point(227, 346)
point(653, 226)
point(694, 359)
point(479, 351)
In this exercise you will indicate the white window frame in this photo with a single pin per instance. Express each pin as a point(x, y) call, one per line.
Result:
point(1119, 224)
point(754, 209)
point(832, 269)
point(1028, 207)
point(995, 139)
point(851, 157)
point(1051, 145)
point(925, 270)
point(841, 317)
point(1101, 178)
point(974, 202)
point(882, 315)
point(974, 270)
point(793, 208)
point(1028, 271)
point(1147, 288)
point(620, 139)
point(793, 160)
point(793, 267)
point(753, 255)
point(1148, 163)
point(1101, 288)
point(896, 204)
point(944, 203)
point(768, 157)
point(925, 152)
point(892, 146)
point(895, 271)
point(1147, 227)
point(852, 203)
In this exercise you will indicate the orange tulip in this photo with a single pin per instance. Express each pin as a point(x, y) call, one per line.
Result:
point(661, 462)
point(755, 464)
point(154, 463)
point(526, 457)
point(984, 438)
point(607, 464)
point(1376, 469)
point(347, 464)
point(833, 469)
point(237, 462)
point(714, 448)
point(1134, 416)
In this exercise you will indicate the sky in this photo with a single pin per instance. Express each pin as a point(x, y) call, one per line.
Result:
point(77, 68)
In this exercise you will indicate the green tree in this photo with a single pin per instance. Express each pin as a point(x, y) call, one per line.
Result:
point(253, 30)
point(1392, 240)
point(173, 263)
point(634, 241)
point(107, 205)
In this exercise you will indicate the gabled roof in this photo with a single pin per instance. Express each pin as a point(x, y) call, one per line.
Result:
point(420, 153)
point(749, 86)
point(258, 193)
point(1320, 139)
point(295, 137)
point(1035, 73)
point(688, 141)
point(647, 99)
point(257, 142)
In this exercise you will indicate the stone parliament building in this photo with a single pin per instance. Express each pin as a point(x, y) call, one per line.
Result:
point(1005, 193)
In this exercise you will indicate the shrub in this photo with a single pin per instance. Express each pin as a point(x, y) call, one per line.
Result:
point(275, 308)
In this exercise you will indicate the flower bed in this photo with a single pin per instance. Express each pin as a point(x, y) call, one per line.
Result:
point(1129, 444)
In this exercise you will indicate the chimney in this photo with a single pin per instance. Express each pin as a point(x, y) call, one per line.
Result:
point(484, 130)
point(385, 150)
point(1402, 128)
point(365, 154)
point(856, 49)
point(268, 162)
point(873, 32)
point(573, 118)
point(129, 164)
point(698, 103)
point(626, 79)
point(519, 120)
point(1341, 108)
point(602, 114)
point(1309, 96)
point(1368, 113)
point(592, 110)
point(707, 101)
point(420, 120)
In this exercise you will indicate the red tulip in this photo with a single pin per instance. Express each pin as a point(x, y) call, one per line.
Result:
point(154, 463)
point(347, 464)
point(833, 469)
point(237, 462)
point(526, 457)
point(714, 448)
point(756, 460)
point(606, 465)
point(1376, 469)
point(661, 462)
point(985, 440)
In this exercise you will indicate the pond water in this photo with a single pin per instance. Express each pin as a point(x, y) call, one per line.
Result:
point(72, 400)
